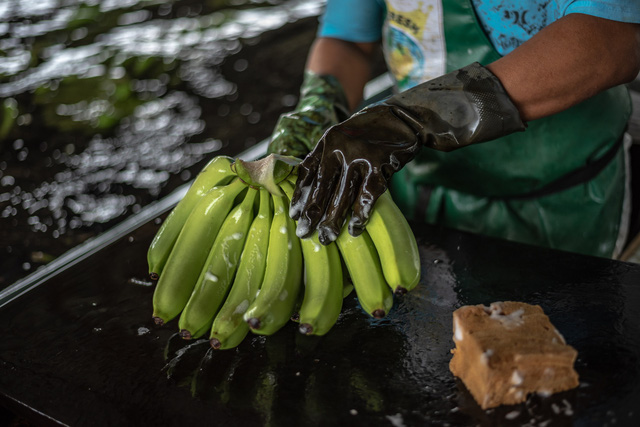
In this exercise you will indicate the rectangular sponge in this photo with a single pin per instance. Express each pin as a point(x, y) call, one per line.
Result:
point(508, 350)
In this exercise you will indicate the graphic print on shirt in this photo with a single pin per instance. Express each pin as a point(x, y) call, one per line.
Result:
point(413, 41)
point(509, 23)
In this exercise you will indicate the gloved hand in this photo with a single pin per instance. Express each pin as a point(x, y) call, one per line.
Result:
point(352, 163)
point(322, 104)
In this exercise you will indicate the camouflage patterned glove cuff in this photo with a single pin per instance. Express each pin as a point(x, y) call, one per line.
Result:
point(322, 104)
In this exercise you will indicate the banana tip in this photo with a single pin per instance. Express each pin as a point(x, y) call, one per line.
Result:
point(254, 323)
point(295, 317)
point(158, 321)
point(215, 343)
point(378, 314)
point(185, 334)
point(154, 276)
point(400, 291)
point(305, 329)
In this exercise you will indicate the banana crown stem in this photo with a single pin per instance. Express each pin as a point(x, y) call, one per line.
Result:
point(267, 172)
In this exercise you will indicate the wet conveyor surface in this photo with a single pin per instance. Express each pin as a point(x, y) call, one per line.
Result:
point(81, 347)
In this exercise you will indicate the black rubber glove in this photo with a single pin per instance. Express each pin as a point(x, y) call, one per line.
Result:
point(352, 163)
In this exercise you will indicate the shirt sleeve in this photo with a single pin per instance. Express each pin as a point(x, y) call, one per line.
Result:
point(353, 20)
point(616, 10)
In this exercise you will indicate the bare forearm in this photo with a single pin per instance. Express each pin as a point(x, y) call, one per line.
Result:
point(349, 62)
point(569, 61)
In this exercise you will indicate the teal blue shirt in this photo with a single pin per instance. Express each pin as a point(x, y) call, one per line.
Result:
point(507, 23)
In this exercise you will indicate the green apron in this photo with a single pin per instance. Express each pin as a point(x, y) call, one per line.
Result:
point(476, 188)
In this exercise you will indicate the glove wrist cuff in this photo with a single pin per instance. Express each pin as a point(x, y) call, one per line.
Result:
point(323, 90)
point(322, 104)
point(464, 107)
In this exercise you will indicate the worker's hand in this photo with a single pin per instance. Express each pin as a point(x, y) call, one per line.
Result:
point(352, 163)
point(322, 104)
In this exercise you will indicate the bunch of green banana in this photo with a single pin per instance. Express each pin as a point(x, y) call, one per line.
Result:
point(229, 261)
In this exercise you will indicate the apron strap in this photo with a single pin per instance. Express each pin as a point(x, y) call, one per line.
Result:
point(575, 177)
point(571, 179)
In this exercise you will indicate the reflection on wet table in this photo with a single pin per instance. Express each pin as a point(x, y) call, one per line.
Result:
point(82, 347)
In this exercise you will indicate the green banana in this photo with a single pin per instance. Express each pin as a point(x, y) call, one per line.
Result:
point(230, 340)
point(229, 328)
point(363, 263)
point(190, 252)
point(216, 172)
point(219, 269)
point(274, 305)
point(396, 245)
point(323, 289)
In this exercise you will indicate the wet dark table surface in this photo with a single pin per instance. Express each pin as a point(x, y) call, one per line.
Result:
point(81, 349)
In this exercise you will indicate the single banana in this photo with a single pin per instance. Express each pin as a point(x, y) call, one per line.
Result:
point(396, 245)
point(190, 252)
point(216, 172)
point(361, 259)
point(323, 289)
point(229, 328)
point(231, 340)
point(219, 270)
point(274, 305)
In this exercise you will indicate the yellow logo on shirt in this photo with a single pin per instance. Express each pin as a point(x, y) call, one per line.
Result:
point(404, 21)
point(405, 26)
